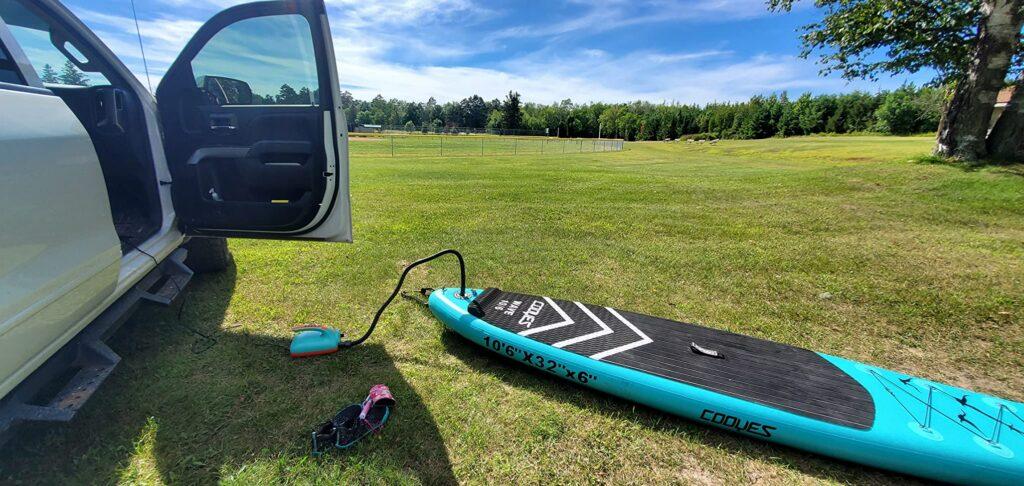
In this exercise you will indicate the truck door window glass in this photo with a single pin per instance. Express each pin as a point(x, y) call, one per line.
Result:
point(260, 61)
point(52, 65)
point(8, 70)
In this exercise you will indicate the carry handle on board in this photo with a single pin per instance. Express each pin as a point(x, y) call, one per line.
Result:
point(696, 348)
point(476, 308)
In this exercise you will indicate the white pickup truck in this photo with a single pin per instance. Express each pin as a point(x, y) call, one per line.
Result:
point(102, 184)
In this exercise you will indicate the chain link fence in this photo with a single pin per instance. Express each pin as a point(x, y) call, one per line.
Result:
point(452, 146)
point(439, 130)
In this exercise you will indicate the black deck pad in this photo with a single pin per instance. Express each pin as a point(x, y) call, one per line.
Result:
point(784, 377)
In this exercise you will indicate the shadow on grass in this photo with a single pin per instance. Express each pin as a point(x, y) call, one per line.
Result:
point(996, 166)
point(1014, 169)
point(543, 384)
point(180, 410)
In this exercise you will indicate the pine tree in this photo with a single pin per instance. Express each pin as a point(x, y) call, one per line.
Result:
point(511, 112)
point(69, 74)
point(49, 75)
point(305, 96)
point(287, 96)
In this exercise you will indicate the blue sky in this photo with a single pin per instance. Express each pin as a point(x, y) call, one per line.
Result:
point(687, 51)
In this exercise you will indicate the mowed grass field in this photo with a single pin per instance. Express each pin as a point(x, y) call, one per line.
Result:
point(841, 245)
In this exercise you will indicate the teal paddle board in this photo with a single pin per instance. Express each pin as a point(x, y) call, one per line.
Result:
point(757, 388)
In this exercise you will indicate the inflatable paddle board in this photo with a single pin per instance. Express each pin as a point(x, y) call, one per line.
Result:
point(762, 389)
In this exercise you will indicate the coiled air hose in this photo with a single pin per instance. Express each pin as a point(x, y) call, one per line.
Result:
point(398, 288)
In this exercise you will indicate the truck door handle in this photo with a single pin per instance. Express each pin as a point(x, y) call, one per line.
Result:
point(222, 123)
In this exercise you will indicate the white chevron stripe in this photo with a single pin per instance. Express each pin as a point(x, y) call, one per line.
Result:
point(643, 338)
point(565, 322)
point(605, 330)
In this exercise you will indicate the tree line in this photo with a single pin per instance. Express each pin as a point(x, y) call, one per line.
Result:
point(471, 112)
point(287, 95)
point(973, 47)
point(906, 110)
point(69, 75)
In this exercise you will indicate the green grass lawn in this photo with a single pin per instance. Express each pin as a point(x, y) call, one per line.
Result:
point(923, 264)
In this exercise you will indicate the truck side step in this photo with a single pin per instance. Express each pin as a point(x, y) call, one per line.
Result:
point(91, 361)
point(175, 277)
point(95, 363)
point(85, 362)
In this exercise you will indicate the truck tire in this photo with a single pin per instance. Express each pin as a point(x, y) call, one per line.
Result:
point(208, 255)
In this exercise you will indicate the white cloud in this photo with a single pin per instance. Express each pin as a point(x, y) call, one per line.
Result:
point(685, 56)
point(205, 5)
point(415, 49)
point(618, 14)
point(682, 77)
point(404, 66)
point(163, 38)
point(363, 13)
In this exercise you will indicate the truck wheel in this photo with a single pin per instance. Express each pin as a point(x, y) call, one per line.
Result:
point(207, 255)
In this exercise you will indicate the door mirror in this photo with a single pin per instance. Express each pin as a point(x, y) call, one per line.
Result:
point(226, 91)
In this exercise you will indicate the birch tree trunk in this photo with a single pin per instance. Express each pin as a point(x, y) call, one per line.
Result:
point(965, 122)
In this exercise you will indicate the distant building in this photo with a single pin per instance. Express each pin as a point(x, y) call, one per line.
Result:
point(366, 128)
point(1002, 100)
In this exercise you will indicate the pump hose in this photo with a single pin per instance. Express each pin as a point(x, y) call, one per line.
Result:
point(398, 288)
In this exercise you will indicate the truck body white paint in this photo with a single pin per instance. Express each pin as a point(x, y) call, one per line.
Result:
point(59, 253)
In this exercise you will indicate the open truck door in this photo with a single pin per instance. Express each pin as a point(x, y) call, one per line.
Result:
point(254, 132)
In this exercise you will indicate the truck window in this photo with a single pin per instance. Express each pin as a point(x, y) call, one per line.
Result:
point(54, 66)
point(260, 61)
point(8, 70)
